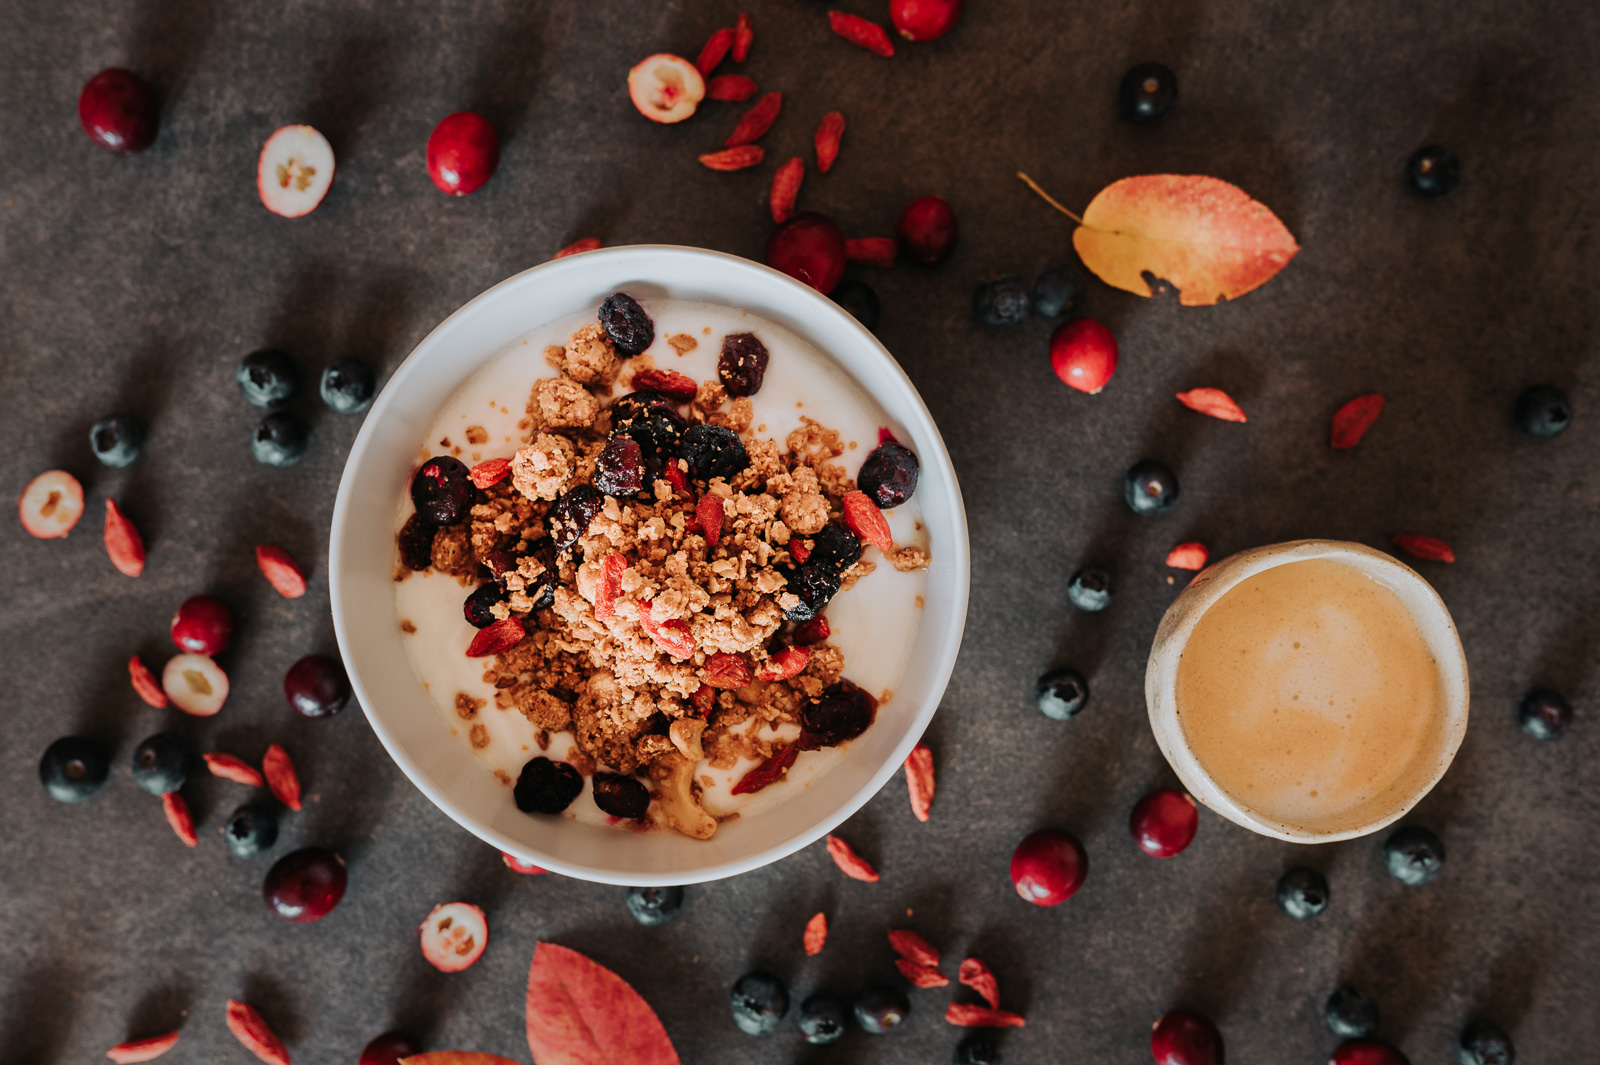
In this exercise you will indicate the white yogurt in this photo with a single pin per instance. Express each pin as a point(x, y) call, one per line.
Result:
point(874, 622)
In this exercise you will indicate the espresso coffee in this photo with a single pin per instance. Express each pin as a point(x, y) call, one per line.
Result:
point(1308, 693)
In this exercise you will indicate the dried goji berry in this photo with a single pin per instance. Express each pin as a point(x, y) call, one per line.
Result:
point(608, 585)
point(849, 862)
point(229, 767)
point(585, 244)
point(858, 31)
point(675, 476)
point(281, 571)
point(489, 472)
point(178, 817)
point(249, 1028)
point(715, 50)
point(771, 771)
point(135, 1050)
point(969, 1016)
point(756, 121)
point(785, 664)
point(743, 36)
point(977, 976)
point(871, 251)
point(814, 631)
point(123, 542)
point(867, 521)
point(1351, 421)
point(1212, 401)
point(786, 189)
point(673, 637)
point(913, 947)
point(496, 637)
point(798, 549)
point(145, 683)
point(921, 975)
point(746, 155)
point(734, 88)
point(726, 670)
point(829, 132)
point(1188, 556)
point(281, 777)
point(919, 780)
point(703, 699)
point(709, 516)
point(1425, 547)
point(816, 934)
point(678, 386)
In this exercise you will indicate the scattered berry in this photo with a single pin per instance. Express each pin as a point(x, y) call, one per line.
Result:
point(967, 1015)
point(653, 906)
point(228, 767)
point(871, 251)
point(389, 1049)
point(823, 1019)
point(1164, 822)
point(859, 299)
point(786, 181)
point(145, 684)
point(282, 780)
point(920, 780)
point(124, 545)
point(442, 490)
point(864, 518)
point(1189, 556)
point(666, 88)
point(1414, 855)
point(1186, 1037)
point(927, 231)
point(809, 248)
point(305, 885)
point(1425, 547)
point(1213, 402)
point(119, 111)
point(1302, 893)
point(1057, 291)
point(454, 936)
point(924, 20)
point(253, 1032)
point(1148, 91)
point(1048, 867)
point(1484, 1043)
point(619, 468)
point(117, 440)
point(758, 1001)
point(826, 141)
point(1150, 487)
point(742, 366)
point(1090, 589)
point(479, 605)
point(862, 33)
point(178, 816)
point(882, 1009)
point(1061, 693)
point(1083, 354)
point(1350, 1014)
point(1544, 714)
point(195, 684)
point(732, 88)
point(280, 440)
point(463, 153)
point(295, 171)
point(203, 625)
point(740, 157)
point(621, 795)
point(712, 451)
point(913, 946)
point(136, 1050)
point(281, 571)
point(743, 37)
point(546, 787)
point(51, 504)
point(627, 324)
point(1543, 411)
point(1367, 1052)
point(976, 975)
point(161, 763)
point(755, 123)
point(73, 768)
point(317, 686)
point(267, 378)
point(1432, 171)
point(849, 862)
point(1001, 301)
point(571, 514)
point(976, 1048)
point(348, 385)
point(889, 475)
point(715, 50)
point(680, 388)
point(580, 245)
point(815, 936)
point(251, 829)
point(1351, 421)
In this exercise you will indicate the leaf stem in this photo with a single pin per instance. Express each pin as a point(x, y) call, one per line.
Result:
point(1051, 200)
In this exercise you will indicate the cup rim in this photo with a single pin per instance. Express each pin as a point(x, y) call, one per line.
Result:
point(1208, 587)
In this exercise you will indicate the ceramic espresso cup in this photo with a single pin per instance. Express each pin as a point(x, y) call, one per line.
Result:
point(1434, 733)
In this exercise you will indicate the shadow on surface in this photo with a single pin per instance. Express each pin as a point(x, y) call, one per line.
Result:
point(508, 69)
point(169, 36)
point(38, 1014)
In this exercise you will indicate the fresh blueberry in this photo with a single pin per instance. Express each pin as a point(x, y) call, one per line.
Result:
point(1148, 91)
point(1543, 411)
point(1090, 589)
point(251, 829)
point(882, 1009)
point(1484, 1043)
point(280, 440)
point(1057, 291)
point(759, 1001)
point(73, 768)
point(858, 298)
point(652, 906)
point(627, 324)
point(1302, 893)
point(1350, 1014)
point(478, 607)
point(442, 490)
point(161, 763)
point(1544, 714)
point(1001, 300)
point(978, 1048)
point(1432, 171)
point(116, 440)
point(1150, 487)
point(824, 1018)
point(267, 378)
point(546, 787)
point(1414, 855)
point(348, 386)
point(1061, 693)
point(889, 475)
point(712, 451)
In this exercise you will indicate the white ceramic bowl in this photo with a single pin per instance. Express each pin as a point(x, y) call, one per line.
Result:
point(362, 558)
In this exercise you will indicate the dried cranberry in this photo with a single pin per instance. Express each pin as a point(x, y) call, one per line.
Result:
point(657, 434)
point(416, 543)
point(625, 322)
point(478, 606)
point(815, 586)
point(620, 795)
point(842, 712)
point(889, 476)
point(442, 490)
point(572, 512)
point(500, 560)
point(546, 787)
point(619, 471)
point(743, 364)
point(712, 451)
point(542, 589)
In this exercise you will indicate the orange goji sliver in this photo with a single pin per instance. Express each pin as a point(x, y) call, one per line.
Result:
point(870, 251)
point(969, 1016)
point(123, 542)
point(849, 862)
point(786, 189)
point(740, 158)
point(829, 132)
point(977, 976)
point(1188, 556)
point(756, 121)
point(586, 244)
point(145, 683)
point(490, 472)
point(281, 777)
point(609, 585)
point(734, 88)
point(179, 818)
point(281, 571)
point(919, 780)
point(862, 33)
point(715, 50)
point(135, 1050)
point(494, 638)
point(816, 934)
point(1212, 401)
point(1425, 547)
point(709, 515)
point(913, 946)
point(785, 664)
point(771, 771)
point(743, 36)
point(250, 1029)
point(1351, 421)
point(229, 767)
point(921, 975)
point(867, 521)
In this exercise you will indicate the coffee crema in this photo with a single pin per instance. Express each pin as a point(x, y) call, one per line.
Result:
point(1309, 695)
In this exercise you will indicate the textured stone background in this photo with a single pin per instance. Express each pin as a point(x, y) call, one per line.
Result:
point(136, 284)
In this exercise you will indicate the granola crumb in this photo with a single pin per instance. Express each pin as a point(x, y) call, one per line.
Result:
point(479, 737)
point(477, 434)
point(589, 357)
point(682, 343)
point(467, 706)
point(909, 558)
point(920, 603)
point(504, 777)
point(407, 626)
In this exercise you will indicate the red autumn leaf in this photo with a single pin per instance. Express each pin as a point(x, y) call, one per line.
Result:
point(145, 683)
point(490, 472)
point(582, 245)
point(1425, 547)
point(229, 767)
point(498, 636)
point(281, 571)
point(249, 1028)
point(816, 934)
point(179, 818)
point(1212, 401)
point(785, 664)
point(123, 542)
point(829, 132)
point(283, 781)
point(1188, 556)
point(1351, 421)
point(771, 771)
point(135, 1050)
point(913, 947)
point(745, 155)
point(969, 1016)
point(756, 121)
point(715, 50)
point(921, 975)
point(456, 1057)
point(858, 31)
point(871, 251)
point(849, 862)
point(867, 521)
point(977, 976)
point(581, 1013)
point(786, 189)
point(919, 780)
point(743, 36)
point(735, 88)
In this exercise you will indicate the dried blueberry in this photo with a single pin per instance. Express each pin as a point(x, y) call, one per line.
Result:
point(652, 906)
point(743, 364)
point(1302, 893)
point(635, 404)
point(572, 512)
point(542, 587)
point(1432, 171)
point(620, 795)
point(1001, 300)
point(73, 768)
point(625, 322)
point(416, 543)
point(348, 386)
point(267, 378)
point(758, 1001)
point(1484, 1043)
point(823, 1018)
point(478, 607)
point(815, 585)
point(842, 712)
point(658, 435)
point(280, 440)
point(1543, 411)
point(1147, 92)
point(1350, 1014)
point(835, 547)
point(116, 440)
point(1090, 589)
point(546, 787)
point(619, 471)
point(889, 475)
point(858, 298)
point(252, 829)
point(1057, 291)
point(1544, 715)
point(161, 763)
point(1061, 693)
point(1414, 855)
point(882, 1009)
point(977, 1048)
point(712, 451)
point(1150, 487)
point(442, 490)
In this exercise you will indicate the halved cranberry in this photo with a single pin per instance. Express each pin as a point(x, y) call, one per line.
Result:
point(203, 625)
point(1048, 867)
point(1164, 822)
point(809, 248)
point(454, 936)
point(195, 684)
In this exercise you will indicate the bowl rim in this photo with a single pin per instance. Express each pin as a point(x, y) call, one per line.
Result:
point(942, 664)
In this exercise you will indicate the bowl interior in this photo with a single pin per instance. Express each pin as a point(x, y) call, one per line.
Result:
point(361, 564)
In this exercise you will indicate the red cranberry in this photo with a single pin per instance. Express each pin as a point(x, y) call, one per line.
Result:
point(305, 885)
point(118, 111)
point(1185, 1037)
point(809, 248)
point(389, 1048)
point(463, 152)
point(316, 686)
point(927, 231)
point(1367, 1052)
point(1083, 354)
point(924, 20)
point(1048, 867)
point(1164, 822)
point(203, 625)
